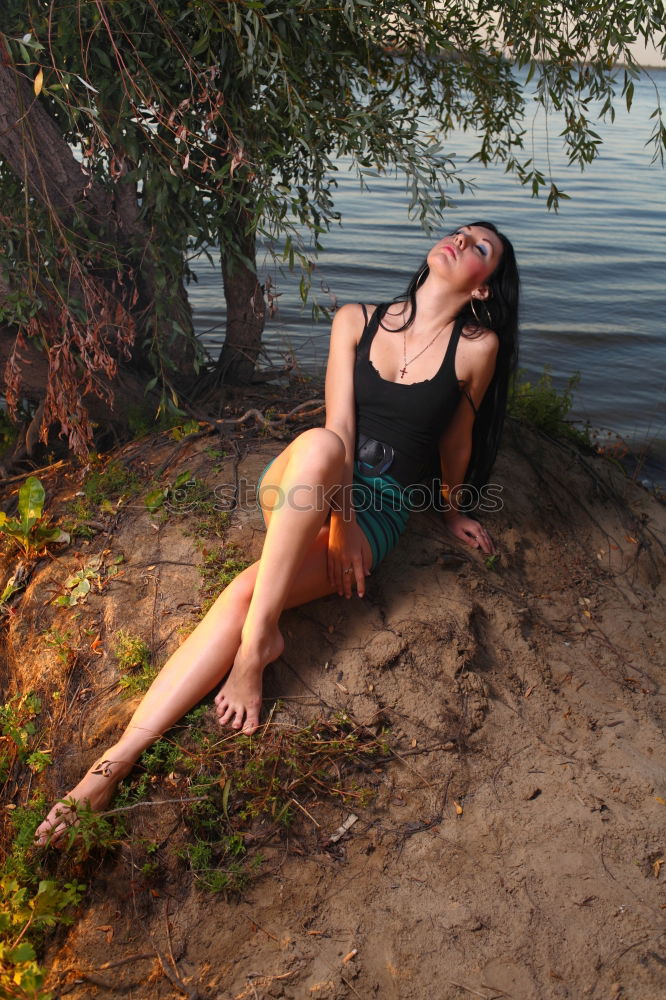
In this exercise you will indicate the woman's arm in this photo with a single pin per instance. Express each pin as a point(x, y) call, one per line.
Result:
point(476, 360)
point(345, 548)
point(340, 403)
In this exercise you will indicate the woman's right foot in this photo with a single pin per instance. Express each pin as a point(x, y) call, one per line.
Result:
point(238, 702)
point(95, 790)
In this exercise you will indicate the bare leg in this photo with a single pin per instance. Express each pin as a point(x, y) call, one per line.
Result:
point(195, 668)
point(313, 464)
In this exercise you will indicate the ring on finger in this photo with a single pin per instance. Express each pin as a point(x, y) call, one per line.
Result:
point(349, 570)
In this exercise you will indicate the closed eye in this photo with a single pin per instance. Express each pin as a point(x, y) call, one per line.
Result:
point(481, 247)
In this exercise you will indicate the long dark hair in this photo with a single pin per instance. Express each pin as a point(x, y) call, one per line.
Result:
point(498, 312)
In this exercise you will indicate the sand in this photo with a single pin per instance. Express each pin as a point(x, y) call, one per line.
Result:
point(511, 847)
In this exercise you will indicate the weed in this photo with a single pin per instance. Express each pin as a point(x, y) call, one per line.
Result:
point(245, 784)
point(110, 482)
point(181, 431)
point(133, 656)
point(218, 569)
point(31, 531)
point(490, 562)
point(542, 406)
point(102, 485)
point(17, 729)
point(142, 420)
point(163, 757)
point(92, 833)
point(24, 914)
point(217, 457)
point(192, 499)
point(29, 905)
point(62, 643)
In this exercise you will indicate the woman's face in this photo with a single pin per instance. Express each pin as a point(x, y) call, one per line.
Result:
point(467, 258)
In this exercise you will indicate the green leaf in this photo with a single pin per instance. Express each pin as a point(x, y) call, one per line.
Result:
point(30, 503)
point(182, 479)
point(23, 952)
point(155, 499)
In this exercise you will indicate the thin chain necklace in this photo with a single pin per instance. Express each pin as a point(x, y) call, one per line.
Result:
point(405, 362)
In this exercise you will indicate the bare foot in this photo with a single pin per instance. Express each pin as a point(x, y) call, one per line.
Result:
point(95, 790)
point(238, 702)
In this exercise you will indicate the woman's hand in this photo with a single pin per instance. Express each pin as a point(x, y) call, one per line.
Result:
point(345, 553)
point(471, 532)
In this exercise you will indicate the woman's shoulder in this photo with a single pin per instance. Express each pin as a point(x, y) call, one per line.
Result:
point(481, 340)
point(350, 320)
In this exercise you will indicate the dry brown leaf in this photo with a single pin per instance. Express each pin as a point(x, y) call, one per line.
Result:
point(659, 799)
point(39, 82)
point(459, 808)
point(656, 867)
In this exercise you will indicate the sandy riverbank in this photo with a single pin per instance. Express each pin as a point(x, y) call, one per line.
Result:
point(532, 695)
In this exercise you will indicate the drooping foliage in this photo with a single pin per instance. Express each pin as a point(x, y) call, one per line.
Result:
point(135, 134)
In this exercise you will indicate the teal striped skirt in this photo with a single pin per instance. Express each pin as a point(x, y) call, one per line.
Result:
point(381, 510)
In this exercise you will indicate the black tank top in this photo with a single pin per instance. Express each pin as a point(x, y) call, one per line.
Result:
point(409, 417)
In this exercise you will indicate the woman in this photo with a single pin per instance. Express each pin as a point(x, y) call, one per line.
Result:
point(427, 372)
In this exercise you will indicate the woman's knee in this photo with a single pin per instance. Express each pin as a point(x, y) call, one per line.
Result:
point(321, 445)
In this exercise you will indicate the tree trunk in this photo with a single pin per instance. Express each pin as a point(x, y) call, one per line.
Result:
point(246, 314)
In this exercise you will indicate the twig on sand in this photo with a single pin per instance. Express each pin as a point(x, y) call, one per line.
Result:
point(156, 802)
point(350, 987)
point(254, 923)
point(484, 996)
point(91, 977)
point(175, 979)
point(262, 981)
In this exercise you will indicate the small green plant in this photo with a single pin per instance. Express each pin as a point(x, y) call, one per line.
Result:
point(490, 562)
point(156, 498)
point(184, 430)
point(62, 643)
point(218, 569)
point(191, 499)
point(24, 914)
point(133, 656)
point(103, 484)
point(95, 574)
point(31, 531)
point(109, 482)
point(540, 405)
point(17, 732)
point(163, 757)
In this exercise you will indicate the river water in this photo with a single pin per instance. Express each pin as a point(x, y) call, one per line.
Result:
point(593, 274)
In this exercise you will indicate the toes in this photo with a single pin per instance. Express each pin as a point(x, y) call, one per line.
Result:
point(238, 719)
point(225, 715)
point(251, 724)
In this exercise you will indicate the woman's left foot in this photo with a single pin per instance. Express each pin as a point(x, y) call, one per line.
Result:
point(238, 703)
point(95, 790)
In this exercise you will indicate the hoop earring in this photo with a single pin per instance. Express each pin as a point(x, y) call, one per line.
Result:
point(474, 314)
point(421, 275)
